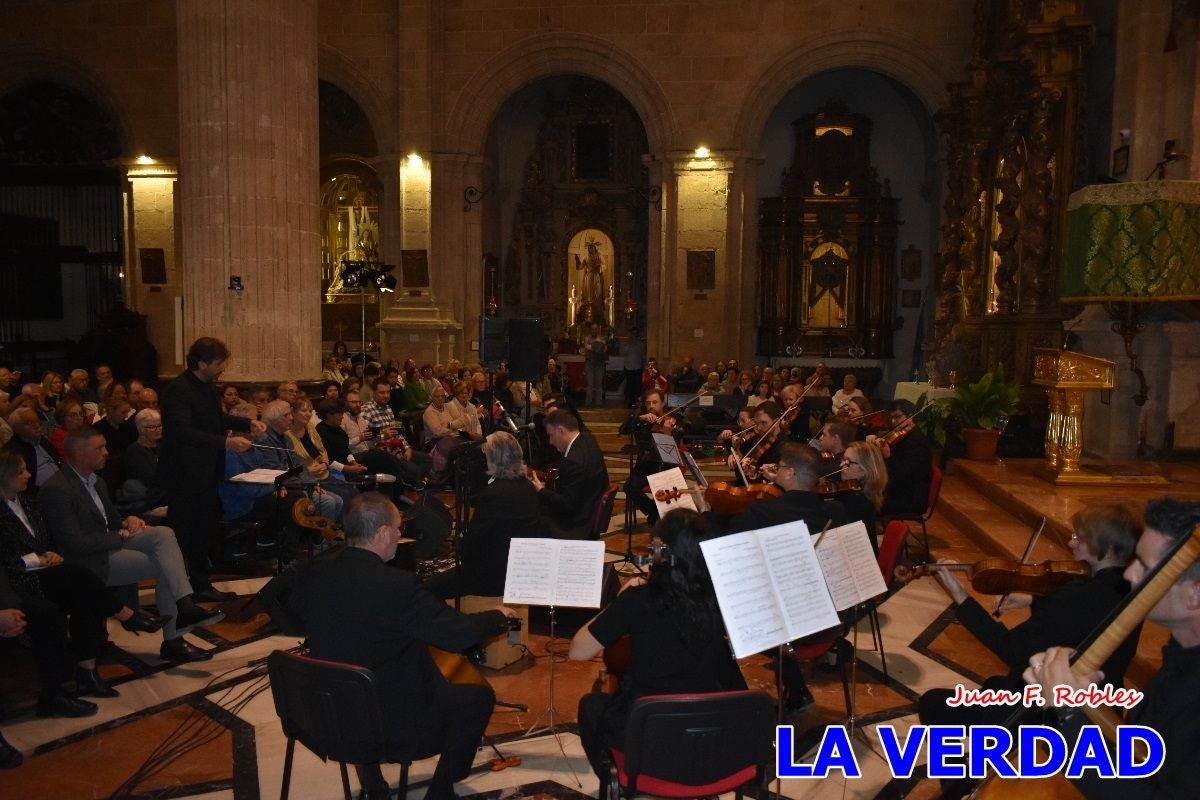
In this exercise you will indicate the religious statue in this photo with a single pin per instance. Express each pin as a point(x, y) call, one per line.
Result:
point(592, 283)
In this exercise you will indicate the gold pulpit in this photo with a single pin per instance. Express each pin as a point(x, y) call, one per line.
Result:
point(1067, 375)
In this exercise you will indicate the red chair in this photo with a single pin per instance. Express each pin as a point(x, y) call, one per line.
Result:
point(935, 488)
point(604, 510)
point(693, 745)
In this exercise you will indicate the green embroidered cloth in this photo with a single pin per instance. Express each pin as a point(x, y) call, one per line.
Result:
point(1135, 242)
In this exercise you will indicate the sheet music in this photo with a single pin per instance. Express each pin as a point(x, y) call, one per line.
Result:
point(850, 567)
point(797, 579)
point(554, 572)
point(707, 400)
point(260, 475)
point(670, 479)
point(742, 582)
point(769, 587)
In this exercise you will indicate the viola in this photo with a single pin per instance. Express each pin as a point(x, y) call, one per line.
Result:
point(1004, 576)
point(729, 500)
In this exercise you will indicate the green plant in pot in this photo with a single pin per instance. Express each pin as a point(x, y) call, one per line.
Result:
point(982, 408)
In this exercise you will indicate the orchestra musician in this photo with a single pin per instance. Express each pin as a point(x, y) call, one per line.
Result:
point(909, 459)
point(862, 463)
point(866, 420)
point(764, 447)
point(652, 419)
point(1104, 539)
point(835, 437)
point(796, 472)
point(358, 610)
point(676, 633)
point(582, 478)
point(1171, 696)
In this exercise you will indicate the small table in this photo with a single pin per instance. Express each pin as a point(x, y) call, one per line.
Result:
point(912, 391)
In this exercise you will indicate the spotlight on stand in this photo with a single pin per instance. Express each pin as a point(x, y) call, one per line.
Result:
point(385, 282)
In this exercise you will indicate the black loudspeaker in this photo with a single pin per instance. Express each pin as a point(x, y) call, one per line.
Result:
point(493, 341)
point(526, 349)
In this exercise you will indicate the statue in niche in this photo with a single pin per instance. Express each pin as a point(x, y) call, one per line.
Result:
point(592, 280)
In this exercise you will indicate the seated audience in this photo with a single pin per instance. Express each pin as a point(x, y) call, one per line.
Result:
point(141, 491)
point(29, 439)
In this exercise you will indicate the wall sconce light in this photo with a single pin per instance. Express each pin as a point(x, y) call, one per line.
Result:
point(144, 160)
point(236, 286)
point(415, 160)
point(702, 152)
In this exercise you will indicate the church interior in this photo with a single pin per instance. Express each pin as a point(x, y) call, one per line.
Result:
point(917, 195)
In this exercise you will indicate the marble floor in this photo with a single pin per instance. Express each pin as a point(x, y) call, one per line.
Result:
point(210, 730)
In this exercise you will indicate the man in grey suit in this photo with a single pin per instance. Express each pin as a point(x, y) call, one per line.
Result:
point(87, 528)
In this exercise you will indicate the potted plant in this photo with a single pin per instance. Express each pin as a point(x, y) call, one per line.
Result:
point(982, 408)
point(937, 423)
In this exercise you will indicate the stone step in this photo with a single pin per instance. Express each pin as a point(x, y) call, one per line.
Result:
point(997, 522)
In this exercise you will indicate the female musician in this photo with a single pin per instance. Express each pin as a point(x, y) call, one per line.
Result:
point(860, 414)
point(863, 463)
point(1104, 538)
point(677, 637)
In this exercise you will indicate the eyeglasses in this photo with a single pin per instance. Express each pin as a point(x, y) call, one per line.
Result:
point(154, 427)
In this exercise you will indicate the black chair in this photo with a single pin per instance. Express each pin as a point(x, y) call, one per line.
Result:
point(333, 710)
point(693, 745)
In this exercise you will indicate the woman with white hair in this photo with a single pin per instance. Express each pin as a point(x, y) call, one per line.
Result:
point(141, 491)
point(507, 507)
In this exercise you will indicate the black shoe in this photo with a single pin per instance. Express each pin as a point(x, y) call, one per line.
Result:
point(10, 757)
point(90, 684)
point(193, 616)
point(144, 622)
point(61, 704)
point(179, 650)
point(210, 594)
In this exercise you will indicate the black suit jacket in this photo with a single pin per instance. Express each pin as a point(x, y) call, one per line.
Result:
point(358, 610)
point(909, 467)
point(26, 451)
point(582, 479)
point(78, 531)
point(16, 541)
point(813, 509)
point(193, 443)
point(504, 509)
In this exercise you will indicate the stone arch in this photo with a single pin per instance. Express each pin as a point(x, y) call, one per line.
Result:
point(20, 66)
point(334, 66)
point(502, 75)
point(871, 49)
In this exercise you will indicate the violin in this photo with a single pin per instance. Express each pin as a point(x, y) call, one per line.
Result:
point(1004, 576)
point(729, 500)
point(669, 495)
point(835, 488)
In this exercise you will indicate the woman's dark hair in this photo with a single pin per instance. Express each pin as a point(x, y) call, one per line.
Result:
point(340, 350)
point(680, 586)
point(325, 387)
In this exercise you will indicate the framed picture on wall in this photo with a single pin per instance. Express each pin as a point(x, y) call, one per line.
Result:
point(910, 298)
point(1120, 164)
point(701, 270)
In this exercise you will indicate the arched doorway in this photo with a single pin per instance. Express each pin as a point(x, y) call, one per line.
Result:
point(351, 214)
point(566, 157)
point(848, 192)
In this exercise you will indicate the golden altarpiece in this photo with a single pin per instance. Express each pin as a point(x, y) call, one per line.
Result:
point(827, 246)
point(1013, 142)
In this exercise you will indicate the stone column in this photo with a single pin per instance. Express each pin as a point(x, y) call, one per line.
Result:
point(249, 182)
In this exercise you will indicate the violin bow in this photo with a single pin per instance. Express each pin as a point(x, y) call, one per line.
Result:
point(812, 384)
point(703, 391)
point(1033, 537)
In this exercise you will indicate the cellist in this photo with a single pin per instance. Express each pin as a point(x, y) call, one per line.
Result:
point(1173, 694)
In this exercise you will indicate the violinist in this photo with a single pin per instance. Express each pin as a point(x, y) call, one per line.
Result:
point(1104, 539)
point(763, 448)
point(835, 437)
point(865, 420)
point(909, 459)
point(677, 637)
point(652, 419)
point(1173, 694)
point(796, 472)
point(863, 464)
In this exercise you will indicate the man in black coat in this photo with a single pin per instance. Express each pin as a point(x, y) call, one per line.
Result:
point(796, 473)
point(582, 479)
point(358, 610)
point(909, 464)
point(195, 438)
